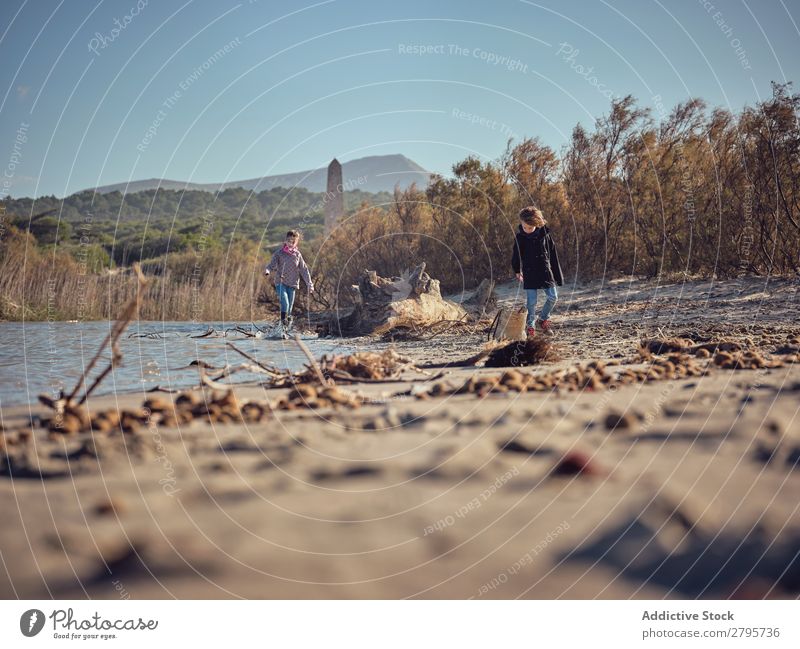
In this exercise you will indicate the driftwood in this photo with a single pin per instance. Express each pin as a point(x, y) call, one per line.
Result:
point(508, 324)
point(411, 331)
point(414, 297)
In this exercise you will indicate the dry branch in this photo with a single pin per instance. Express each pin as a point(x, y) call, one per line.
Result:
point(315, 366)
point(268, 369)
point(128, 313)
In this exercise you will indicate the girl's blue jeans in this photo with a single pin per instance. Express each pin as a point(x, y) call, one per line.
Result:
point(544, 314)
point(286, 297)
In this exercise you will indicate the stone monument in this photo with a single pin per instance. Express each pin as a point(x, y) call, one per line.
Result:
point(334, 197)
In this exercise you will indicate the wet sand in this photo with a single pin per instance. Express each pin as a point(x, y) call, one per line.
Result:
point(507, 495)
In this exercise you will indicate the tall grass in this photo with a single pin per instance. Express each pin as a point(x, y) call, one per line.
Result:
point(214, 284)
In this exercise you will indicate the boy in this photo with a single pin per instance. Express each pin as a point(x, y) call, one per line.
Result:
point(535, 263)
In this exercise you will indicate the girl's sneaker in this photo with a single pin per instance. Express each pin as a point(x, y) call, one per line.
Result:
point(530, 331)
point(546, 326)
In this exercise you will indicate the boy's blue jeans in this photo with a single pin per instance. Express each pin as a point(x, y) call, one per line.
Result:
point(286, 297)
point(544, 314)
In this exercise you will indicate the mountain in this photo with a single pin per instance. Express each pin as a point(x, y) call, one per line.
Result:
point(370, 174)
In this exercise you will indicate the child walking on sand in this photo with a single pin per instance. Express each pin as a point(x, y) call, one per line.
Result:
point(535, 263)
point(289, 266)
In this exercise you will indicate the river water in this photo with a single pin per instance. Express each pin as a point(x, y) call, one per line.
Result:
point(45, 357)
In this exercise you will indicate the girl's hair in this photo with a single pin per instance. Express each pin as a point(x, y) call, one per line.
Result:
point(293, 234)
point(532, 215)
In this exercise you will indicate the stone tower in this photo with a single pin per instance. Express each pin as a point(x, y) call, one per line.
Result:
point(334, 197)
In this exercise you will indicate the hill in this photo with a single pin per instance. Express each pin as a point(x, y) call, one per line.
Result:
point(371, 174)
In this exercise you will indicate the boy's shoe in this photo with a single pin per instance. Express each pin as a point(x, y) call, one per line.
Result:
point(546, 326)
point(530, 331)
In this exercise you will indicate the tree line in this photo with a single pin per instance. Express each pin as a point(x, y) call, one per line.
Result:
point(683, 193)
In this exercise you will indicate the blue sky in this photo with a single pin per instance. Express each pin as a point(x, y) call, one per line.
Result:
point(301, 82)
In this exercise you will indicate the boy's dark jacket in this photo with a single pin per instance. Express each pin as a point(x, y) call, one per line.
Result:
point(536, 258)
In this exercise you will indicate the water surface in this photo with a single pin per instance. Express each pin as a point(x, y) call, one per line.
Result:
point(45, 357)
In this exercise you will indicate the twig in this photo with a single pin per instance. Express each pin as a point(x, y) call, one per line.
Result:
point(116, 359)
point(158, 388)
point(492, 332)
point(211, 383)
point(270, 370)
point(128, 313)
point(312, 360)
point(246, 367)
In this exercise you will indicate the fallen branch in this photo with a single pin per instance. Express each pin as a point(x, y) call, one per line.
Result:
point(312, 360)
point(150, 334)
point(467, 362)
point(266, 368)
point(211, 383)
point(158, 388)
point(208, 333)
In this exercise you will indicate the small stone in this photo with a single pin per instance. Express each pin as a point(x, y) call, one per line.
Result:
point(621, 421)
point(188, 400)
point(253, 412)
point(158, 404)
point(129, 421)
point(723, 359)
point(302, 392)
point(80, 413)
point(335, 395)
point(227, 400)
point(65, 424)
point(576, 463)
point(108, 507)
point(512, 376)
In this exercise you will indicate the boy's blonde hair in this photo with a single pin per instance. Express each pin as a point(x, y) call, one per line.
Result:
point(532, 215)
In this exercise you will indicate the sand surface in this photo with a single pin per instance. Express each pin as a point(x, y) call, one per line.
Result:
point(445, 497)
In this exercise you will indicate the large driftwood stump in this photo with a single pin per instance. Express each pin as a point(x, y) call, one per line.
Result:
point(509, 324)
point(414, 298)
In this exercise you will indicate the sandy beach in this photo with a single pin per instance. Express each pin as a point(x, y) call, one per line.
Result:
point(662, 488)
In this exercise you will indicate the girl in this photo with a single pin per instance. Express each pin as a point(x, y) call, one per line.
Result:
point(289, 266)
point(535, 263)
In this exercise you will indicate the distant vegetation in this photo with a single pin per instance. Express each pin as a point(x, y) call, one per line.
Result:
point(686, 192)
point(68, 258)
point(149, 224)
